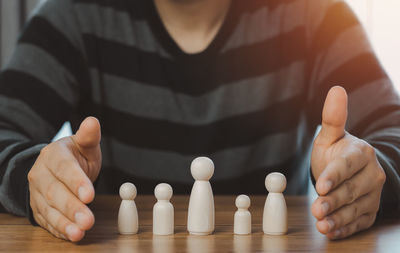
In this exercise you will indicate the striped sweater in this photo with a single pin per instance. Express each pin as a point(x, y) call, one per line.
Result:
point(251, 101)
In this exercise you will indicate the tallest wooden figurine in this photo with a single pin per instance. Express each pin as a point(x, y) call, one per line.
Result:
point(201, 204)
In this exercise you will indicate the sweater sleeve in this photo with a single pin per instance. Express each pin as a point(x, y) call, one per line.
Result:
point(340, 54)
point(40, 88)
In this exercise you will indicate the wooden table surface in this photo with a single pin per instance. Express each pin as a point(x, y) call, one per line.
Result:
point(16, 234)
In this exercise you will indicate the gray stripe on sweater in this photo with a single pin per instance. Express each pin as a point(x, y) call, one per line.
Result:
point(6, 134)
point(25, 118)
point(50, 72)
point(377, 93)
point(111, 24)
point(338, 54)
point(55, 12)
point(264, 24)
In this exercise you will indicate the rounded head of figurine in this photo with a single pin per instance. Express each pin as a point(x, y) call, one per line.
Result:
point(127, 191)
point(275, 182)
point(242, 202)
point(163, 191)
point(202, 168)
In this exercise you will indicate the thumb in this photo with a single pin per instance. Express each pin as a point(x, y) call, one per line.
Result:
point(334, 116)
point(88, 137)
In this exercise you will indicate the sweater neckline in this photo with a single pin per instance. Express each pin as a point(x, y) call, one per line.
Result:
point(166, 40)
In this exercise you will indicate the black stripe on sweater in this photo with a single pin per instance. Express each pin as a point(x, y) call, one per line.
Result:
point(136, 6)
point(379, 113)
point(339, 17)
point(37, 95)
point(43, 34)
point(136, 9)
point(232, 132)
point(196, 76)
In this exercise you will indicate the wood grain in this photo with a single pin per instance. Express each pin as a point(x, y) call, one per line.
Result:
point(16, 234)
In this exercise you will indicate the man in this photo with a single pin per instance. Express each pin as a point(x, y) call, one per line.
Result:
point(243, 82)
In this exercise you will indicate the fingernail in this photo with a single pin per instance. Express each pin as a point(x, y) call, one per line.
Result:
point(71, 230)
point(80, 218)
point(82, 193)
point(331, 224)
point(328, 185)
point(325, 208)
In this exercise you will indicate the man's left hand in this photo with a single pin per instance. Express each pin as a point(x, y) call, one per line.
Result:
point(349, 178)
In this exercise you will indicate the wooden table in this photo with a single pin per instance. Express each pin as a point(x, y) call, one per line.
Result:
point(16, 234)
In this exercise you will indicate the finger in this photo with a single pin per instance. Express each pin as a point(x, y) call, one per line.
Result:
point(340, 169)
point(43, 223)
point(60, 198)
point(87, 146)
point(88, 137)
point(349, 213)
point(361, 223)
point(70, 173)
point(334, 116)
point(59, 222)
point(345, 194)
point(59, 161)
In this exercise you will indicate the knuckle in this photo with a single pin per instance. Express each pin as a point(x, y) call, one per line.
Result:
point(65, 168)
point(58, 172)
point(358, 150)
point(361, 144)
point(345, 231)
point(53, 231)
point(63, 165)
point(45, 225)
point(45, 150)
point(37, 218)
point(333, 203)
point(337, 176)
point(45, 210)
point(375, 208)
point(358, 158)
point(369, 150)
point(69, 205)
point(337, 220)
point(371, 220)
point(347, 161)
point(31, 176)
point(60, 223)
point(381, 176)
point(350, 188)
point(355, 212)
point(51, 193)
point(70, 208)
point(357, 227)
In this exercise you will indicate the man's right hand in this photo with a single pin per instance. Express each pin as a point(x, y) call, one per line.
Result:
point(60, 182)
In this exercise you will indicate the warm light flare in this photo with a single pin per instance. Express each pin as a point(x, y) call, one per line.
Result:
point(381, 19)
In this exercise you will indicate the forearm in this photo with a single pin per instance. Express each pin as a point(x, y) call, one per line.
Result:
point(40, 89)
point(22, 136)
point(16, 159)
point(387, 145)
